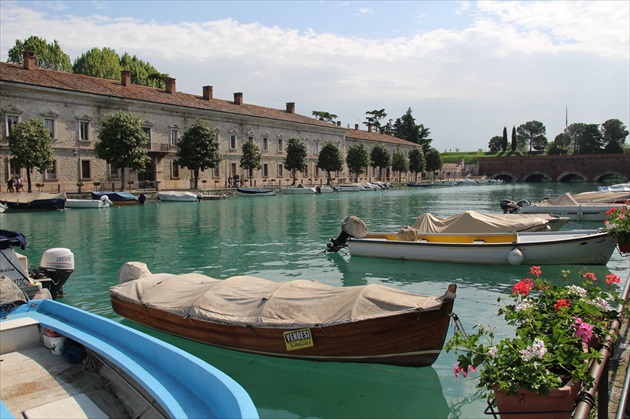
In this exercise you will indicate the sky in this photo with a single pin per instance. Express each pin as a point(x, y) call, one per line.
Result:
point(466, 69)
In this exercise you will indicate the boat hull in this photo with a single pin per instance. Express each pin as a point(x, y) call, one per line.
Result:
point(566, 248)
point(298, 191)
point(33, 201)
point(117, 198)
point(583, 212)
point(410, 339)
point(255, 192)
point(178, 197)
point(86, 203)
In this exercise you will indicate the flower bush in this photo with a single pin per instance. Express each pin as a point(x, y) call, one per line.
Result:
point(617, 223)
point(556, 329)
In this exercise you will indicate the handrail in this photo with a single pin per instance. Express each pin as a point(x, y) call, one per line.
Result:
point(586, 399)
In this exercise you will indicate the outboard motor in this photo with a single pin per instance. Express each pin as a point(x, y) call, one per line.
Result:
point(56, 264)
point(507, 205)
point(352, 226)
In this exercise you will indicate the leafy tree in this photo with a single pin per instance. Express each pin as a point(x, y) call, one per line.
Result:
point(614, 133)
point(251, 158)
point(406, 128)
point(504, 140)
point(417, 162)
point(325, 116)
point(357, 159)
point(513, 143)
point(590, 140)
point(425, 140)
point(563, 139)
point(103, 63)
point(296, 156)
point(496, 144)
point(434, 160)
point(380, 157)
point(559, 145)
point(48, 56)
point(330, 160)
point(374, 120)
point(198, 149)
point(123, 143)
point(533, 133)
point(142, 72)
point(400, 163)
point(31, 147)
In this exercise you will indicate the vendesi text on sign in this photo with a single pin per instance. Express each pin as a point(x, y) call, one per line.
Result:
point(298, 339)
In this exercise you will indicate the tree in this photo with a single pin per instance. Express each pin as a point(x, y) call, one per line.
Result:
point(380, 157)
point(251, 158)
point(123, 143)
point(417, 162)
point(614, 133)
point(357, 159)
point(103, 63)
point(504, 140)
point(533, 133)
point(590, 140)
point(31, 147)
point(496, 143)
point(434, 160)
point(513, 142)
point(142, 72)
point(559, 145)
point(374, 120)
point(406, 128)
point(330, 160)
point(48, 56)
point(198, 149)
point(400, 163)
point(296, 156)
point(325, 116)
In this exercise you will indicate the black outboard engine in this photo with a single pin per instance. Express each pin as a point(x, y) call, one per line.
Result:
point(142, 198)
point(56, 264)
point(507, 205)
point(352, 226)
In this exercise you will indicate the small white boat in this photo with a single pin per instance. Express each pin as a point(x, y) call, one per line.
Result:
point(367, 186)
point(324, 189)
point(583, 247)
point(445, 183)
point(256, 192)
point(103, 202)
point(2, 207)
point(468, 182)
point(619, 187)
point(61, 361)
point(298, 190)
point(178, 196)
point(349, 187)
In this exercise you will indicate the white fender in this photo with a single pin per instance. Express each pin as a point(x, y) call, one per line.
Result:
point(515, 257)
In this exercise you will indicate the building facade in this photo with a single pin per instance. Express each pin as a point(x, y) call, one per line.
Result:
point(72, 106)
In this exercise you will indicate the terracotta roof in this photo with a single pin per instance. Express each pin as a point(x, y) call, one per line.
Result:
point(355, 134)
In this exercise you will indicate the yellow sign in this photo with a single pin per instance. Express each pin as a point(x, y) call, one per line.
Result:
point(298, 339)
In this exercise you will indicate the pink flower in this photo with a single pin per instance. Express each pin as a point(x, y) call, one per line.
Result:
point(459, 370)
point(535, 270)
point(583, 330)
point(590, 275)
point(612, 279)
point(523, 287)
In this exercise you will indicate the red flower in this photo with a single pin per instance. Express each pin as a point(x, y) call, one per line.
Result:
point(610, 211)
point(590, 275)
point(535, 270)
point(523, 287)
point(612, 279)
point(561, 303)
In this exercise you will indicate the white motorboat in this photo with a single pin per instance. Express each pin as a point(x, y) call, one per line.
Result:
point(583, 247)
point(367, 186)
point(324, 189)
point(298, 190)
point(619, 187)
point(103, 202)
point(468, 182)
point(178, 196)
point(61, 361)
point(256, 192)
point(349, 187)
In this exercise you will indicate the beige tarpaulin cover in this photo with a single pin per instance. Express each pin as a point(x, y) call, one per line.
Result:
point(600, 197)
point(472, 222)
point(26, 197)
point(246, 300)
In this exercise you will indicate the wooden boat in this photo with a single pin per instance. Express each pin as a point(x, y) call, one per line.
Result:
point(60, 361)
point(298, 190)
point(178, 196)
point(587, 206)
point(104, 202)
point(300, 319)
point(33, 201)
point(583, 247)
point(256, 192)
point(119, 198)
point(55, 267)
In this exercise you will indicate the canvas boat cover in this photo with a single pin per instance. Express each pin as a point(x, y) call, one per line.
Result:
point(256, 302)
point(601, 197)
point(27, 197)
point(472, 222)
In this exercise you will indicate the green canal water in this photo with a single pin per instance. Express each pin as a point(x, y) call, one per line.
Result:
point(282, 238)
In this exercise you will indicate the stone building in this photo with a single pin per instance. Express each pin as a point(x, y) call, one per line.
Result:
point(72, 106)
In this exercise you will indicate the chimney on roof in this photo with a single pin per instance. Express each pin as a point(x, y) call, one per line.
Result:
point(290, 107)
point(238, 98)
point(369, 128)
point(170, 84)
point(29, 60)
point(338, 123)
point(207, 92)
point(356, 127)
point(125, 77)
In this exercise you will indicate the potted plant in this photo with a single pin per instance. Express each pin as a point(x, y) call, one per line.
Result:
point(556, 332)
point(617, 223)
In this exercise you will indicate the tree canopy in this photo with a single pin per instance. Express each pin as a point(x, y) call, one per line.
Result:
point(358, 159)
point(198, 149)
point(296, 156)
point(142, 72)
point(614, 133)
point(123, 143)
point(31, 147)
point(330, 160)
point(103, 63)
point(496, 144)
point(374, 119)
point(504, 140)
point(533, 133)
point(380, 157)
point(251, 159)
point(417, 162)
point(48, 56)
point(433, 159)
point(325, 116)
point(400, 163)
